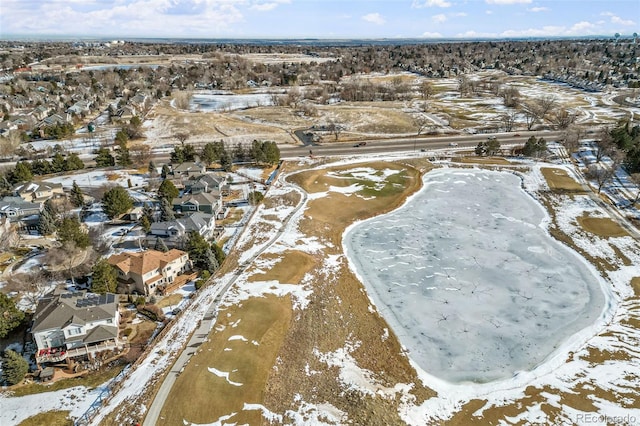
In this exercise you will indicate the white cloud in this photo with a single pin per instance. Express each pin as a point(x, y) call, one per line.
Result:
point(264, 7)
point(508, 1)
point(439, 18)
point(374, 18)
point(581, 28)
point(538, 9)
point(430, 3)
point(431, 35)
point(619, 21)
point(475, 34)
point(615, 19)
point(488, 12)
point(461, 14)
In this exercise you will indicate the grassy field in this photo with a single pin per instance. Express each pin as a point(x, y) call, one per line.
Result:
point(272, 366)
point(49, 418)
point(559, 180)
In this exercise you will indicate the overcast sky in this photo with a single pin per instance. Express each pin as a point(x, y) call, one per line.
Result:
point(318, 18)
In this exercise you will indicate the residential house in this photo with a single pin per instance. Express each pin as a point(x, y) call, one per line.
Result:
point(206, 183)
point(174, 232)
point(189, 169)
point(149, 272)
point(15, 208)
point(73, 324)
point(38, 191)
point(202, 202)
point(79, 108)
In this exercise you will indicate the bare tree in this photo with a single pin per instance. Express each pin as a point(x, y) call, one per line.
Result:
point(32, 285)
point(183, 100)
point(509, 120)
point(426, 89)
point(602, 174)
point(571, 139)
point(335, 127)
point(531, 115)
point(563, 118)
point(422, 123)
point(545, 104)
point(605, 146)
point(510, 96)
point(181, 137)
point(635, 178)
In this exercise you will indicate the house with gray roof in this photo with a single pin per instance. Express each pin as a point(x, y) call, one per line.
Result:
point(75, 324)
point(202, 202)
point(188, 169)
point(15, 208)
point(174, 232)
point(206, 183)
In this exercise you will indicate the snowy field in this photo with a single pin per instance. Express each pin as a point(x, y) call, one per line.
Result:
point(223, 101)
point(489, 275)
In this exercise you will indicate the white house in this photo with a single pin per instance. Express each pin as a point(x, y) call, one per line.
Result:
point(72, 324)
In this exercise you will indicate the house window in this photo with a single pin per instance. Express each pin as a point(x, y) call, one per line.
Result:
point(192, 207)
point(110, 321)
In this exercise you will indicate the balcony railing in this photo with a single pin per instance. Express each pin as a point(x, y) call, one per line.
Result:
point(60, 354)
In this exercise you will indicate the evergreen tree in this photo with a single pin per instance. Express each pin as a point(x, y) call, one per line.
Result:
point(73, 162)
point(123, 157)
point(116, 202)
point(57, 163)
point(271, 153)
point(40, 167)
point(219, 253)
point(104, 158)
point(210, 153)
point(166, 212)
point(46, 223)
point(14, 367)
point(160, 245)
point(165, 171)
point(168, 190)
point(201, 253)
point(153, 169)
point(10, 315)
point(70, 230)
point(104, 278)
point(21, 173)
point(77, 198)
point(226, 161)
point(145, 223)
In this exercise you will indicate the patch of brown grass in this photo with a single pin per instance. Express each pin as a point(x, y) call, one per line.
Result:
point(559, 180)
point(112, 176)
point(482, 160)
point(200, 396)
point(290, 268)
point(49, 418)
point(635, 285)
point(602, 226)
point(170, 300)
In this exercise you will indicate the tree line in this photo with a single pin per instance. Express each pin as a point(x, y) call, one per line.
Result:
point(24, 171)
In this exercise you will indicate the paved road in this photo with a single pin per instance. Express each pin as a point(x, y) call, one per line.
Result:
point(204, 327)
point(410, 144)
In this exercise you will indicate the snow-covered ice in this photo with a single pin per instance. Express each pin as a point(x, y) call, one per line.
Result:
point(488, 274)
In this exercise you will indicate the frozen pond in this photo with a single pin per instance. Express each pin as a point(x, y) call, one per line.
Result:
point(469, 279)
point(223, 101)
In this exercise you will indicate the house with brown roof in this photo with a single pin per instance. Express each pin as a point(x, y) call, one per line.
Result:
point(75, 324)
point(149, 272)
